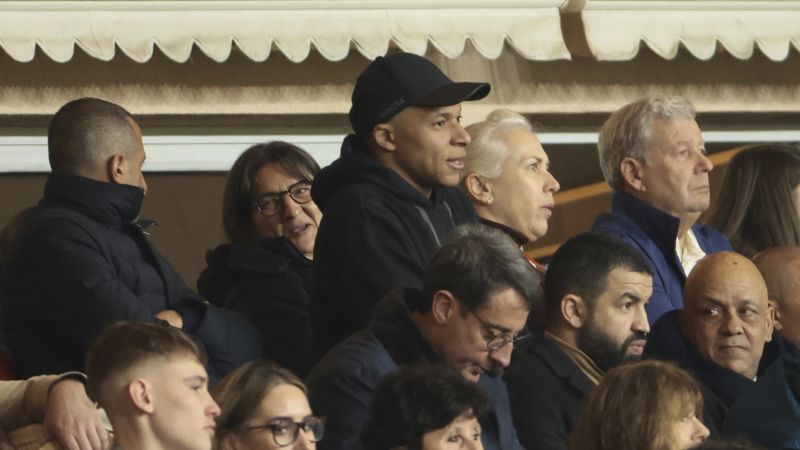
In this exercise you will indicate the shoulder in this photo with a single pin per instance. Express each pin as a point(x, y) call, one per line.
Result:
point(359, 356)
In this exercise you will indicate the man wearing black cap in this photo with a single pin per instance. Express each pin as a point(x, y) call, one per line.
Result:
point(390, 199)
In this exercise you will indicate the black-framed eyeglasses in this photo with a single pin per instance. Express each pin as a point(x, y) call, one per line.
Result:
point(271, 203)
point(285, 431)
point(498, 339)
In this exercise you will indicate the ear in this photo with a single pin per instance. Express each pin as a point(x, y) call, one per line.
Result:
point(383, 133)
point(443, 306)
point(116, 168)
point(776, 312)
point(479, 189)
point(574, 310)
point(632, 173)
point(229, 441)
point(141, 395)
point(771, 319)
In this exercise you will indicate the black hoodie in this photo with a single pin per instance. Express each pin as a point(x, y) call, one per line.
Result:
point(377, 233)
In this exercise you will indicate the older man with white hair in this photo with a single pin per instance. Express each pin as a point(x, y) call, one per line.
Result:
point(653, 155)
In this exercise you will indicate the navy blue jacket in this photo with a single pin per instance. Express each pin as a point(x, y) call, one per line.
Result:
point(653, 232)
point(377, 233)
point(342, 385)
point(79, 263)
point(765, 410)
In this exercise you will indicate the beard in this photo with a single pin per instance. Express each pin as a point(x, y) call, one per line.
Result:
point(602, 349)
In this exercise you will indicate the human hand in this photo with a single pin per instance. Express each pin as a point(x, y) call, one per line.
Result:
point(171, 316)
point(73, 419)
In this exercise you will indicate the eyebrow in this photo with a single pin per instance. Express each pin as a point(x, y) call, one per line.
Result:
point(196, 378)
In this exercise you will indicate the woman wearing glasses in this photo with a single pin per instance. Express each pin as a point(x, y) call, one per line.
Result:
point(264, 407)
point(265, 270)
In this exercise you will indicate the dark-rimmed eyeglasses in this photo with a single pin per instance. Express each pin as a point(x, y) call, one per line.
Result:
point(496, 339)
point(271, 203)
point(285, 431)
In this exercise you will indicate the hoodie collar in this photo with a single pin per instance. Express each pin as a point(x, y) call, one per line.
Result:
point(109, 203)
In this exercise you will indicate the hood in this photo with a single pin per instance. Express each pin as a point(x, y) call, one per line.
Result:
point(228, 263)
point(355, 166)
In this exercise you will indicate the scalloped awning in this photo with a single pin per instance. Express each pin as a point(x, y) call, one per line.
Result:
point(615, 29)
point(293, 27)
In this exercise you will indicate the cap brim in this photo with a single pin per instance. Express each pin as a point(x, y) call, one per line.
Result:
point(453, 94)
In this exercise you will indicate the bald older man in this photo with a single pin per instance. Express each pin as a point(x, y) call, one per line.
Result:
point(780, 267)
point(724, 336)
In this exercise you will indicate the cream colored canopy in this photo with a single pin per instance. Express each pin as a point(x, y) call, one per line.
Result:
point(616, 28)
point(293, 27)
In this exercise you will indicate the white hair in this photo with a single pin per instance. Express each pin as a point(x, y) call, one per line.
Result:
point(487, 151)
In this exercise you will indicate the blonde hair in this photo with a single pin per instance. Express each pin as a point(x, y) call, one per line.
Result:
point(487, 151)
point(635, 406)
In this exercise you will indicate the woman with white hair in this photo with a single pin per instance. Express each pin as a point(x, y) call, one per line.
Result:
point(507, 177)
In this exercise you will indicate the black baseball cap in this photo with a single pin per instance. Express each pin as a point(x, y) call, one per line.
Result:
point(392, 83)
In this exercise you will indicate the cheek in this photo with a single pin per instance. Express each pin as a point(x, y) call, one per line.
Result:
point(267, 227)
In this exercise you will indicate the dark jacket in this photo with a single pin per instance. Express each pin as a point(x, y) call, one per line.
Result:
point(546, 390)
point(79, 263)
point(653, 232)
point(342, 385)
point(268, 281)
point(377, 233)
point(764, 411)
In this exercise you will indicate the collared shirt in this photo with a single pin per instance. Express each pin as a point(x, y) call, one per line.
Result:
point(688, 253)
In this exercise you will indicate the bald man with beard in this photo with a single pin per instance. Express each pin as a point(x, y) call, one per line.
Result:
point(724, 336)
point(780, 267)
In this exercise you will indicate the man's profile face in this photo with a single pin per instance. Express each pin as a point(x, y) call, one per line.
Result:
point(429, 146)
point(134, 161)
point(616, 328)
point(184, 413)
point(504, 313)
point(675, 178)
point(726, 315)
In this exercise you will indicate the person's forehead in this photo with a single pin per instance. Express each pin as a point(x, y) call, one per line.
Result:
point(505, 308)
point(523, 144)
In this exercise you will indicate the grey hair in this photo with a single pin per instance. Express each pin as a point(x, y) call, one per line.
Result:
point(487, 151)
point(627, 132)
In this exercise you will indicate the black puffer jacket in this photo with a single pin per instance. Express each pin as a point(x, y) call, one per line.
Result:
point(269, 282)
point(79, 263)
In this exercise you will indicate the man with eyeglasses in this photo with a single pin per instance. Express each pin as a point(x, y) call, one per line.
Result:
point(150, 380)
point(476, 294)
point(596, 289)
point(391, 198)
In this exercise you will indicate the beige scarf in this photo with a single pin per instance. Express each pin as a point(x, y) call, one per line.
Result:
point(587, 366)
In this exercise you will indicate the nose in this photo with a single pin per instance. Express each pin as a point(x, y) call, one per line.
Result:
point(213, 407)
point(303, 441)
point(473, 445)
point(290, 207)
point(731, 324)
point(502, 355)
point(704, 164)
point(640, 322)
point(701, 432)
point(552, 184)
point(460, 136)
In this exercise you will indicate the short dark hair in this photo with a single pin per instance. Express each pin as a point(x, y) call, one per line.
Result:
point(123, 345)
point(85, 132)
point(418, 399)
point(755, 208)
point(237, 202)
point(582, 264)
point(473, 264)
point(240, 393)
